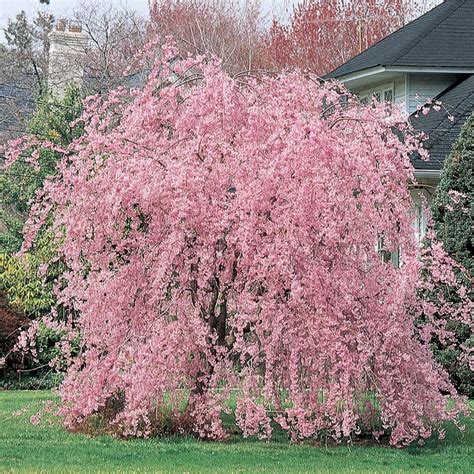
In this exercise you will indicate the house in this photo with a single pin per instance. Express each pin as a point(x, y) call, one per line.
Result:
point(430, 58)
point(18, 92)
point(68, 63)
point(67, 54)
point(16, 104)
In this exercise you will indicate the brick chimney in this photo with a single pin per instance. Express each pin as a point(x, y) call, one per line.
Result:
point(67, 52)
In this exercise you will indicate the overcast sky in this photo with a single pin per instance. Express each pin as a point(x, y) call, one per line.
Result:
point(9, 8)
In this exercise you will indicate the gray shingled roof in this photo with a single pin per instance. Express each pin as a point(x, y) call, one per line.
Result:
point(16, 105)
point(443, 37)
point(458, 102)
point(17, 100)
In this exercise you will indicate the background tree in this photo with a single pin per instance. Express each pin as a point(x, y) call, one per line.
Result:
point(452, 212)
point(318, 36)
point(29, 41)
point(114, 39)
point(452, 205)
point(27, 281)
point(229, 29)
point(19, 183)
point(323, 34)
point(116, 35)
point(23, 71)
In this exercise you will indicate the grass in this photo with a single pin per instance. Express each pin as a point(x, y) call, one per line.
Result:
point(44, 448)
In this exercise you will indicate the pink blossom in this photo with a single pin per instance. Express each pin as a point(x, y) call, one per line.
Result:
point(220, 239)
point(35, 419)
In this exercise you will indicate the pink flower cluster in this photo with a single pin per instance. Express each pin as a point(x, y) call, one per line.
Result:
point(63, 330)
point(220, 239)
point(445, 296)
point(27, 146)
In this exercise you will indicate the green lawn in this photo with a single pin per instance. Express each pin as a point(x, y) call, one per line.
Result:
point(43, 448)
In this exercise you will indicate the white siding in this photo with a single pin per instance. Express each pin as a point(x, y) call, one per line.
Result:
point(397, 83)
point(400, 92)
point(423, 87)
point(412, 90)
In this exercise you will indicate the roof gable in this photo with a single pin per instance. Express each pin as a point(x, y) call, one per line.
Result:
point(443, 127)
point(442, 37)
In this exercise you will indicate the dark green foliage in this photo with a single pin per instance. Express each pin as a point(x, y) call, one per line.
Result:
point(450, 358)
point(453, 214)
point(27, 281)
point(452, 211)
point(19, 183)
point(40, 380)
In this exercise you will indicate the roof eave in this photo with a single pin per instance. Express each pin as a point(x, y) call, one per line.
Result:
point(372, 71)
point(361, 73)
point(427, 173)
point(431, 69)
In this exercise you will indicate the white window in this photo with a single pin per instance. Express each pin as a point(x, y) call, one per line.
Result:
point(388, 95)
point(384, 93)
point(419, 223)
point(420, 200)
point(386, 255)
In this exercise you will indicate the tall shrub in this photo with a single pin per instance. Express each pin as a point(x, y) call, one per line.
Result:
point(452, 212)
point(27, 281)
point(452, 207)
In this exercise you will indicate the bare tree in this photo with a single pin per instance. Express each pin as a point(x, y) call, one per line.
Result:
point(230, 29)
point(23, 69)
point(323, 34)
point(115, 34)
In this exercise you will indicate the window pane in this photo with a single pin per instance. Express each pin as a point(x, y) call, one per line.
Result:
point(418, 222)
point(395, 257)
point(344, 99)
point(388, 96)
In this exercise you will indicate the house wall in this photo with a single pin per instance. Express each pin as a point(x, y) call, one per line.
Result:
point(422, 196)
point(422, 87)
point(411, 90)
point(400, 91)
point(395, 82)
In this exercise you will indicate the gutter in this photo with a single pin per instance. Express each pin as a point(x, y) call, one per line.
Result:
point(375, 70)
point(427, 174)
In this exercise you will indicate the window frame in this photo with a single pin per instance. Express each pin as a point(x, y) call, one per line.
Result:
point(420, 219)
point(381, 90)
